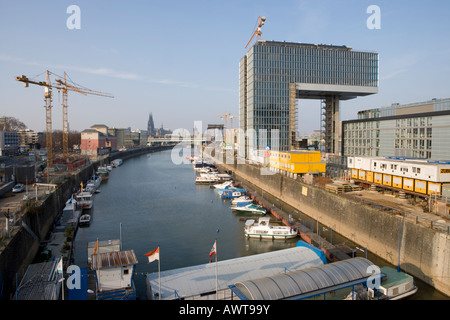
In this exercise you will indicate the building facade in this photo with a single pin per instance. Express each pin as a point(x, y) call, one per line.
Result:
point(95, 142)
point(414, 130)
point(9, 143)
point(28, 139)
point(273, 75)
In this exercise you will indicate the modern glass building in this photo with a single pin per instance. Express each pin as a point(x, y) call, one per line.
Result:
point(414, 130)
point(273, 75)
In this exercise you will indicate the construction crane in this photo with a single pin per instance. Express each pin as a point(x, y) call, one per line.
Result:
point(231, 121)
point(225, 117)
point(257, 31)
point(65, 87)
point(48, 86)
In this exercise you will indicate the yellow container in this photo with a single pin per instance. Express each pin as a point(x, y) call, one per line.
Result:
point(387, 179)
point(408, 184)
point(420, 186)
point(397, 182)
point(434, 188)
point(362, 175)
point(378, 178)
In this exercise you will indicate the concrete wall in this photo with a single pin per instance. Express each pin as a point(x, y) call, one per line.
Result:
point(424, 252)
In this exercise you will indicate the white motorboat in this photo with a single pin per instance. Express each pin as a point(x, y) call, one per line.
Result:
point(205, 179)
point(116, 163)
point(85, 220)
point(96, 180)
point(241, 201)
point(223, 185)
point(263, 230)
point(250, 208)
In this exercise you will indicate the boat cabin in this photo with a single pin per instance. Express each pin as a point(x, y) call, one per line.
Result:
point(114, 273)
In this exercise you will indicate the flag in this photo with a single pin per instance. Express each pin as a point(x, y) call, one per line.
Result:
point(96, 247)
point(153, 255)
point(59, 268)
point(213, 251)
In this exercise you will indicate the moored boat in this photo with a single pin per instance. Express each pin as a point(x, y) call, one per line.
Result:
point(103, 172)
point(230, 188)
point(205, 179)
point(96, 180)
point(85, 220)
point(223, 185)
point(395, 285)
point(114, 274)
point(116, 163)
point(84, 200)
point(241, 201)
point(231, 194)
point(250, 208)
point(264, 230)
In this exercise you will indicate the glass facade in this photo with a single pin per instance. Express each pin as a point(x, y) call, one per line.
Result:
point(412, 131)
point(270, 68)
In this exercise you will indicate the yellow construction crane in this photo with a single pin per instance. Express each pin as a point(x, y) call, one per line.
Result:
point(225, 117)
point(64, 86)
point(231, 121)
point(257, 31)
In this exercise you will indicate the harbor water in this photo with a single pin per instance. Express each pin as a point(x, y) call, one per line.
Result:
point(157, 203)
point(151, 201)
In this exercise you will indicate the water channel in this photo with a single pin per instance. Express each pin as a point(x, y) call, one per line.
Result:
point(155, 202)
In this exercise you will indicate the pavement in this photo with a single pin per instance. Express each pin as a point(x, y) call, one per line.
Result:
point(410, 210)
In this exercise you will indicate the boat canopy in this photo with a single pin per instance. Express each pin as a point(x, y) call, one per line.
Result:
point(249, 222)
point(198, 281)
point(306, 283)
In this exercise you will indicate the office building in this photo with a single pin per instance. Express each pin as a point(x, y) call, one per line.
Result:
point(414, 130)
point(28, 139)
point(274, 75)
point(9, 143)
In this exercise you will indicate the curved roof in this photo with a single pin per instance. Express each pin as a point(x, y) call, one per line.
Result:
point(198, 280)
point(307, 281)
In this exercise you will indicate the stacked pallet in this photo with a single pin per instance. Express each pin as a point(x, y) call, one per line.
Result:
point(341, 187)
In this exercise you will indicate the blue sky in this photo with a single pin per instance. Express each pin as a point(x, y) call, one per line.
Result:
point(179, 59)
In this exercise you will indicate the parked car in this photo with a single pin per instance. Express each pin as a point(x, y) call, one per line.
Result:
point(18, 188)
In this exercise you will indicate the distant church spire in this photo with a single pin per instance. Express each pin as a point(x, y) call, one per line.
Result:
point(150, 125)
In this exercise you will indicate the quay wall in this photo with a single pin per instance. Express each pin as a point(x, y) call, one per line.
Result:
point(423, 252)
point(39, 220)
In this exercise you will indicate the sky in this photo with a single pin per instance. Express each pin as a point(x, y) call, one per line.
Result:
point(179, 59)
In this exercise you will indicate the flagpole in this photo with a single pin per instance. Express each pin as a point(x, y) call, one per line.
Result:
point(217, 286)
point(159, 275)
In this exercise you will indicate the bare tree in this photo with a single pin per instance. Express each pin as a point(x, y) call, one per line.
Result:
point(74, 139)
point(11, 124)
